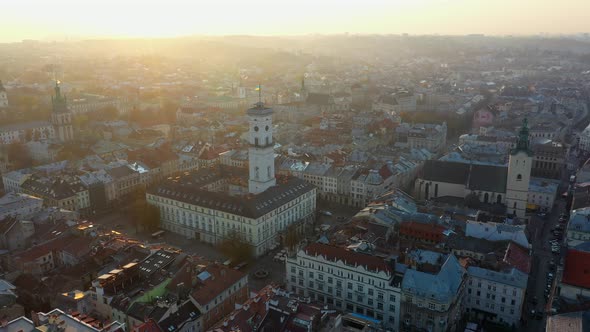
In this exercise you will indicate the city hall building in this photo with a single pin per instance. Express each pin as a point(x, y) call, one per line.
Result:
point(210, 205)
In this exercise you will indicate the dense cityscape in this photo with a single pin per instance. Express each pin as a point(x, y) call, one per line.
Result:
point(305, 183)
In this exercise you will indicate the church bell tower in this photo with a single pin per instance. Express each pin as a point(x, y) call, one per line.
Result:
point(519, 174)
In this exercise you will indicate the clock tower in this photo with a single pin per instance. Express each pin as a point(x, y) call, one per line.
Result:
point(261, 151)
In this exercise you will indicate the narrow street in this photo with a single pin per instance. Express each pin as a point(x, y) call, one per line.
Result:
point(540, 232)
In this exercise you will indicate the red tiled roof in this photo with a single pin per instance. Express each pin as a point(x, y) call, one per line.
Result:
point(385, 172)
point(205, 291)
point(78, 247)
point(44, 249)
point(252, 312)
point(518, 257)
point(333, 253)
point(577, 271)
point(418, 226)
point(149, 326)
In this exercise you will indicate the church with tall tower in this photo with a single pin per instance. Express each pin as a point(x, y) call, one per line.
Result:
point(519, 174)
point(61, 117)
point(212, 205)
point(489, 184)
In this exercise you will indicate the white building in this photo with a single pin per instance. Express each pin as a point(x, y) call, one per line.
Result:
point(578, 228)
point(18, 132)
point(496, 296)
point(13, 180)
point(200, 205)
point(519, 174)
point(584, 139)
point(261, 152)
point(422, 135)
point(351, 281)
point(19, 206)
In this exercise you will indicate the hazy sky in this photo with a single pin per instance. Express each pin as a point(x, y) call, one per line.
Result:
point(57, 19)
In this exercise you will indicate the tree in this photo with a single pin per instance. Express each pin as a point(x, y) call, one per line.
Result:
point(236, 248)
point(292, 237)
point(19, 155)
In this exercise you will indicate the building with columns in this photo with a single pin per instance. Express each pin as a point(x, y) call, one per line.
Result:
point(211, 205)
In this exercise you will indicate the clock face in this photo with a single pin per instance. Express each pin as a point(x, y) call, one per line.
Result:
point(256, 128)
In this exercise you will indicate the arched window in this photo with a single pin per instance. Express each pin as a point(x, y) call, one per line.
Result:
point(514, 205)
point(268, 172)
point(267, 140)
point(499, 199)
point(519, 177)
point(256, 141)
point(257, 175)
point(436, 190)
point(486, 197)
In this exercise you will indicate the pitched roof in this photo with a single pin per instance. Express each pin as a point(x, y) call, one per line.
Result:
point(442, 286)
point(444, 171)
point(576, 271)
point(518, 257)
point(253, 206)
point(475, 177)
point(513, 277)
point(332, 253)
point(488, 178)
point(186, 313)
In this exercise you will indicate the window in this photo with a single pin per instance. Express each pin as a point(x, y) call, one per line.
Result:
point(431, 306)
point(519, 177)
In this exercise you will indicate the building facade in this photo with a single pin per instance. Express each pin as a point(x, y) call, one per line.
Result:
point(496, 296)
point(433, 302)
point(520, 163)
point(351, 281)
point(210, 212)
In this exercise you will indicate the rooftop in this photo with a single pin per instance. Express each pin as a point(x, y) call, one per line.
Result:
point(442, 287)
point(576, 271)
point(514, 277)
point(250, 206)
point(333, 253)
